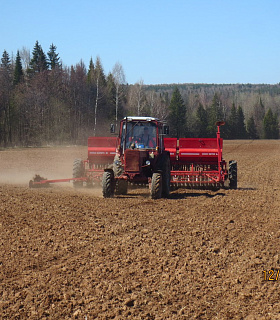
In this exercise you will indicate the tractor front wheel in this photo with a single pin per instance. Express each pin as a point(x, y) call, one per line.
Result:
point(156, 185)
point(108, 184)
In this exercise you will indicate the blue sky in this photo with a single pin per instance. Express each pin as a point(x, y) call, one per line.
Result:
point(157, 41)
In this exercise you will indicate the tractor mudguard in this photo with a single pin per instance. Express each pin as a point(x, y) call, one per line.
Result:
point(109, 170)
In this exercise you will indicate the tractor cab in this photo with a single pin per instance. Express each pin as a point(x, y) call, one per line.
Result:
point(138, 135)
point(141, 133)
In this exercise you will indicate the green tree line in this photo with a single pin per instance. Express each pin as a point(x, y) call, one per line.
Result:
point(188, 121)
point(44, 102)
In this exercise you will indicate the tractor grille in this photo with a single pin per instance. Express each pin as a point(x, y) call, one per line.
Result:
point(132, 160)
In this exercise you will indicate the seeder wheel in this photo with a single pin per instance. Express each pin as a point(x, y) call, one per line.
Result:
point(38, 182)
point(78, 172)
point(232, 173)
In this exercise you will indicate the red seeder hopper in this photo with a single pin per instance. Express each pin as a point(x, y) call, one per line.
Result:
point(195, 163)
point(198, 162)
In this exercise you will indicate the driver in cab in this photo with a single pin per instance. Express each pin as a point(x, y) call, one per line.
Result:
point(147, 140)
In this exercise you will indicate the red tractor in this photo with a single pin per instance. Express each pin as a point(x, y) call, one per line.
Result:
point(140, 158)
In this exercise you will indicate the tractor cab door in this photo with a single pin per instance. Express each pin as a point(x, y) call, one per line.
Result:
point(160, 137)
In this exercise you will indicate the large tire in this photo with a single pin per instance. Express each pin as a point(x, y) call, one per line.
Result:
point(121, 186)
point(166, 177)
point(232, 173)
point(156, 186)
point(108, 184)
point(117, 166)
point(78, 172)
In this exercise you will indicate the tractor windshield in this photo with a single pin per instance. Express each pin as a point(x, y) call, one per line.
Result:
point(138, 135)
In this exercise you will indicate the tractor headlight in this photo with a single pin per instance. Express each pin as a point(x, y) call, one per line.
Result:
point(148, 162)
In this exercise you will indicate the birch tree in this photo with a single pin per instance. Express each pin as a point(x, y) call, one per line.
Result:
point(157, 105)
point(100, 83)
point(119, 80)
point(25, 57)
point(137, 97)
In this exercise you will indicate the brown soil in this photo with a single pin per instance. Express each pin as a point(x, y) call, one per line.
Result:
point(70, 254)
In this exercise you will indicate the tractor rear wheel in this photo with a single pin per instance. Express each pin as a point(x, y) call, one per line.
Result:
point(156, 186)
point(232, 173)
point(121, 186)
point(108, 184)
point(78, 172)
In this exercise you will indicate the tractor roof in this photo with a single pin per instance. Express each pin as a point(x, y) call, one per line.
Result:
point(141, 119)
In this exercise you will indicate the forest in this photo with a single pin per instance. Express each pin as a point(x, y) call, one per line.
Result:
point(43, 102)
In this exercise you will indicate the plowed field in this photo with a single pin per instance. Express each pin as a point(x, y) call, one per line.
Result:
point(70, 254)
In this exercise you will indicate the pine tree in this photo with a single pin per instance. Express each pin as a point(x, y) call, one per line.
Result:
point(251, 129)
point(90, 74)
point(177, 115)
point(6, 76)
point(5, 60)
point(6, 82)
point(276, 126)
point(110, 97)
point(214, 114)
point(53, 58)
point(38, 62)
point(232, 123)
point(18, 72)
point(259, 113)
point(270, 125)
point(240, 125)
point(99, 75)
point(202, 122)
point(6, 69)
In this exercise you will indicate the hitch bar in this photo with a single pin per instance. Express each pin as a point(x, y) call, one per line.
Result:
point(46, 182)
